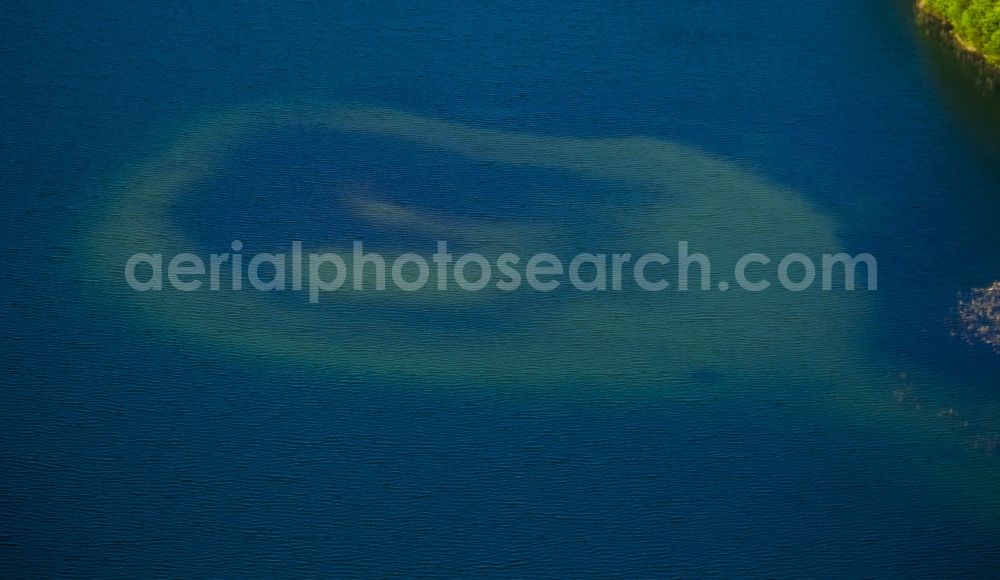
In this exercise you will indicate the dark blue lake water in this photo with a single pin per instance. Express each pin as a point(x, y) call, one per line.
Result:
point(174, 436)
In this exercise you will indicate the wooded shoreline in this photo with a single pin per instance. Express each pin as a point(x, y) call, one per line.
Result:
point(935, 22)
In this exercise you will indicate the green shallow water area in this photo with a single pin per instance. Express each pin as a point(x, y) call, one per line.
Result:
point(653, 336)
point(801, 347)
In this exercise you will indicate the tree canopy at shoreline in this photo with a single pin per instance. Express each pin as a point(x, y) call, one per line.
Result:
point(977, 22)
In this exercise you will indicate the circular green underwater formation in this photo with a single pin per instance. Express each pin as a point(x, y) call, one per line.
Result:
point(628, 338)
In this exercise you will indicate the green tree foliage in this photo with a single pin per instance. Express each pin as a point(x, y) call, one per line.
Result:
point(976, 21)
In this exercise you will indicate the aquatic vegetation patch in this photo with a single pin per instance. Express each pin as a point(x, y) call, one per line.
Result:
point(979, 316)
point(635, 339)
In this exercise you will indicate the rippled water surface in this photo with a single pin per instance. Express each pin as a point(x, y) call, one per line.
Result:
point(527, 435)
